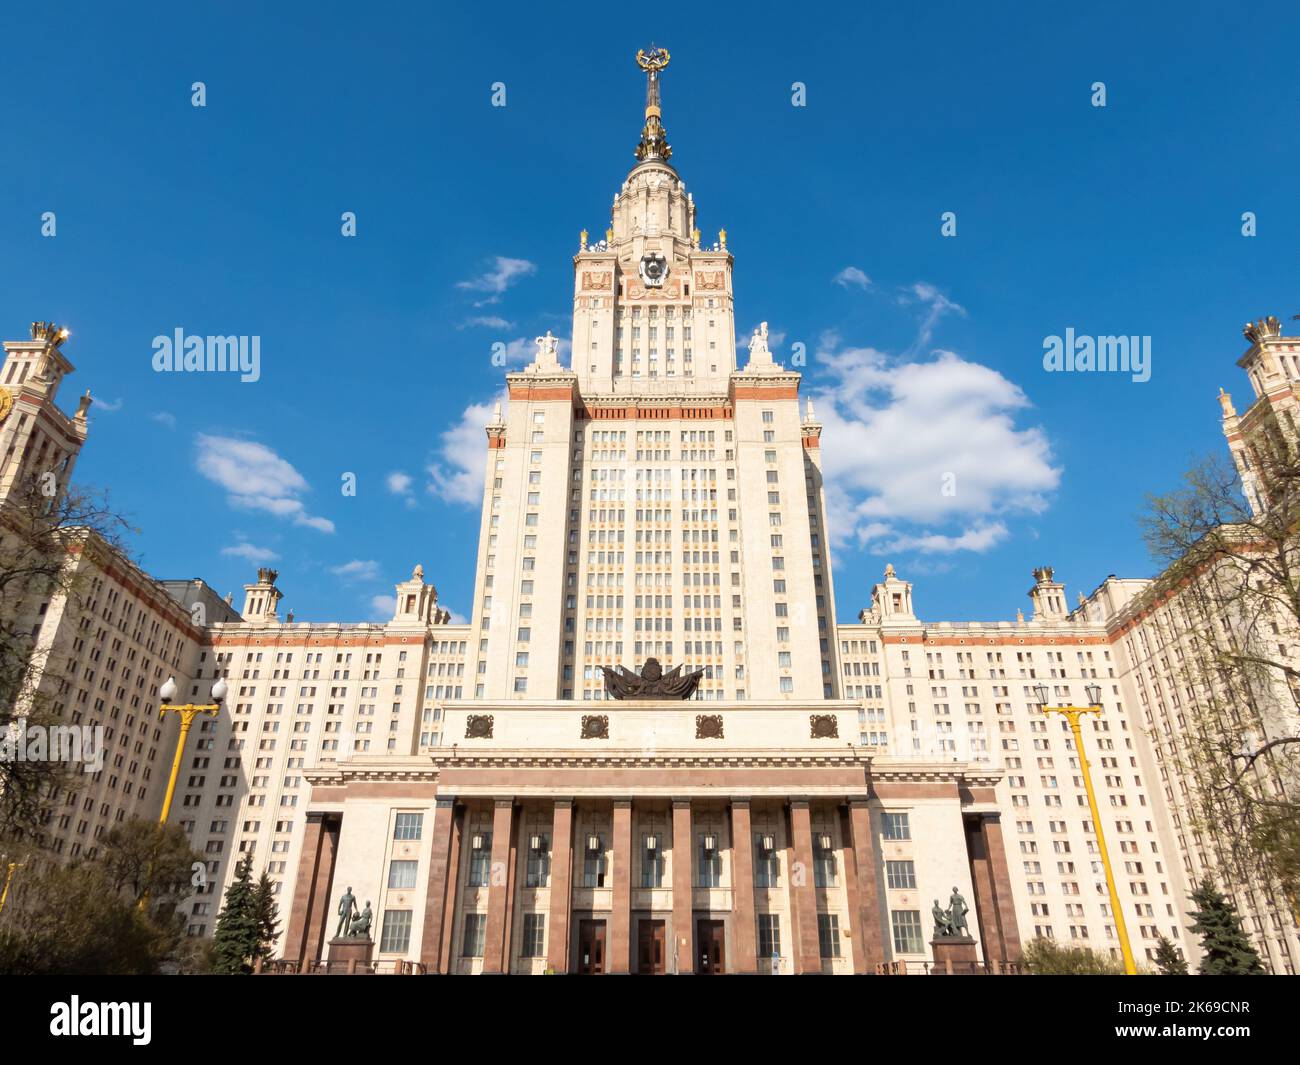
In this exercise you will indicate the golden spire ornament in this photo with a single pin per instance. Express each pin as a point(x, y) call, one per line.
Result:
point(654, 139)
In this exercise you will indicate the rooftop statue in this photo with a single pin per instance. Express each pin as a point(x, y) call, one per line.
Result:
point(652, 683)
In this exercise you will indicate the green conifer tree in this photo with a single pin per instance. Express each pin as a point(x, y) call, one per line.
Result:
point(1168, 961)
point(1226, 949)
point(236, 940)
point(268, 915)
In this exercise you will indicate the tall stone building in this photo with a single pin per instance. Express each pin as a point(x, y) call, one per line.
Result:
point(106, 635)
point(529, 792)
point(661, 498)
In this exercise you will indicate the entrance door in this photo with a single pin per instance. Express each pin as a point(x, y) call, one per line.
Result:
point(709, 947)
point(650, 948)
point(591, 947)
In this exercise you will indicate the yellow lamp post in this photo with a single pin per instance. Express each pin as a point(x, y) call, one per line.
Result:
point(188, 712)
point(9, 877)
point(1072, 714)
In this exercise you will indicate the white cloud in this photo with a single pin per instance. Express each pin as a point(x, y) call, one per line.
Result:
point(108, 406)
point(980, 538)
point(164, 418)
point(399, 484)
point(256, 478)
point(926, 456)
point(357, 570)
point(500, 276)
point(851, 276)
point(488, 321)
point(458, 477)
point(382, 607)
point(250, 552)
point(936, 305)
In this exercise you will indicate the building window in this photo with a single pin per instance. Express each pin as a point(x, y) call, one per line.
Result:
point(769, 935)
point(408, 826)
point(907, 931)
point(534, 945)
point(475, 930)
point(539, 864)
point(396, 936)
point(828, 935)
point(767, 869)
point(593, 863)
point(896, 826)
point(710, 862)
point(823, 861)
point(900, 874)
point(652, 863)
point(401, 874)
point(480, 859)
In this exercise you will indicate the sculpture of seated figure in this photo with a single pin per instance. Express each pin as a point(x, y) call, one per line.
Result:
point(361, 923)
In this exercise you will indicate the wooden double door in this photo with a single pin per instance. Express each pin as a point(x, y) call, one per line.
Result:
point(710, 947)
point(651, 947)
point(591, 947)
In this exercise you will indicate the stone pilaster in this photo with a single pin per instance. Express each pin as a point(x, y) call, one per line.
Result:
point(495, 941)
point(865, 913)
point(803, 897)
point(557, 935)
point(743, 949)
point(620, 930)
point(683, 884)
point(440, 897)
point(307, 890)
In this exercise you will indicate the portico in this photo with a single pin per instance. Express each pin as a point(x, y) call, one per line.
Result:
point(812, 857)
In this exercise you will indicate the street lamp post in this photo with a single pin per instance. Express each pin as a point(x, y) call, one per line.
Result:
point(1072, 714)
point(188, 712)
point(9, 877)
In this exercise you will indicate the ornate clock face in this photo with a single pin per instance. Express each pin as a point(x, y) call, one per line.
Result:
point(6, 403)
point(653, 269)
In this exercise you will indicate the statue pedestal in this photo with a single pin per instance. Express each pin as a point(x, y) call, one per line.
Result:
point(352, 953)
point(954, 955)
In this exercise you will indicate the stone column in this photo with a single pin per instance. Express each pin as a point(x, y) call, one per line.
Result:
point(683, 884)
point(495, 947)
point(322, 914)
point(557, 935)
point(803, 896)
point(985, 902)
point(1003, 904)
point(620, 932)
point(306, 890)
point(743, 951)
point(443, 859)
point(865, 914)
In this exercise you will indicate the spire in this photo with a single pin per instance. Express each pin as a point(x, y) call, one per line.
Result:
point(654, 139)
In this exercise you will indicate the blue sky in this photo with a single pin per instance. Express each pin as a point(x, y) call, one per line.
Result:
point(925, 352)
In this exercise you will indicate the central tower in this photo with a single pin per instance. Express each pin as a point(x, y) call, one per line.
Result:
point(652, 309)
point(652, 500)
